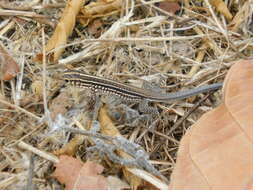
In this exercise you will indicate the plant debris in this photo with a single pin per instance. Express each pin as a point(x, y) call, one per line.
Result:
point(179, 47)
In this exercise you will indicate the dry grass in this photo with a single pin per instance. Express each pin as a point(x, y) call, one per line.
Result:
point(135, 42)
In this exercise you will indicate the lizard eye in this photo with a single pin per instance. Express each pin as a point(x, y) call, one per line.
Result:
point(66, 80)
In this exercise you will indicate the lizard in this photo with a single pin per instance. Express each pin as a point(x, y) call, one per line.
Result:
point(100, 85)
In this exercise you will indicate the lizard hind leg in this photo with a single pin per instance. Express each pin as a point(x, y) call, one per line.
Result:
point(146, 108)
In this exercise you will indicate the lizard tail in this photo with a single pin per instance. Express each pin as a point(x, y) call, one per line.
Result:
point(187, 93)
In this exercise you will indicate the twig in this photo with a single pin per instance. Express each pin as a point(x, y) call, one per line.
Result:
point(182, 119)
point(135, 39)
point(224, 32)
point(30, 7)
point(93, 50)
point(139, 156)
point(21, 13)
point(38, 152)
point(20, 109)
point(148, 177)
point(44, 71)
point(30, 185)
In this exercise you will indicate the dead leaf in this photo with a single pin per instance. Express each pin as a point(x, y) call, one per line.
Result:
point(98, 9)
point(171, 7)
point(71, 147)
point(222, 8)
point(64, 28)
point(219, 145)
point(78, 176)
point(9, 67)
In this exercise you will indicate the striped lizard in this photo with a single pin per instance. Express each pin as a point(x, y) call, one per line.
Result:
point(99, 85)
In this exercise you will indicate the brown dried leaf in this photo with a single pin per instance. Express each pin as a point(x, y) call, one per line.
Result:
point(222, 8)
point(219, 145)
point(9, 67)
point(39, 58)
point(64, 28)
point(171, 7)
point(76, 175)
point(71, 147)
point(98, 9)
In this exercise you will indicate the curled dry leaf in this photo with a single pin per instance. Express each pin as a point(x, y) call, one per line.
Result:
point(216, 153)
point(98, 9)
point(9, 67)
point(76, 175)
point(64, 28)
